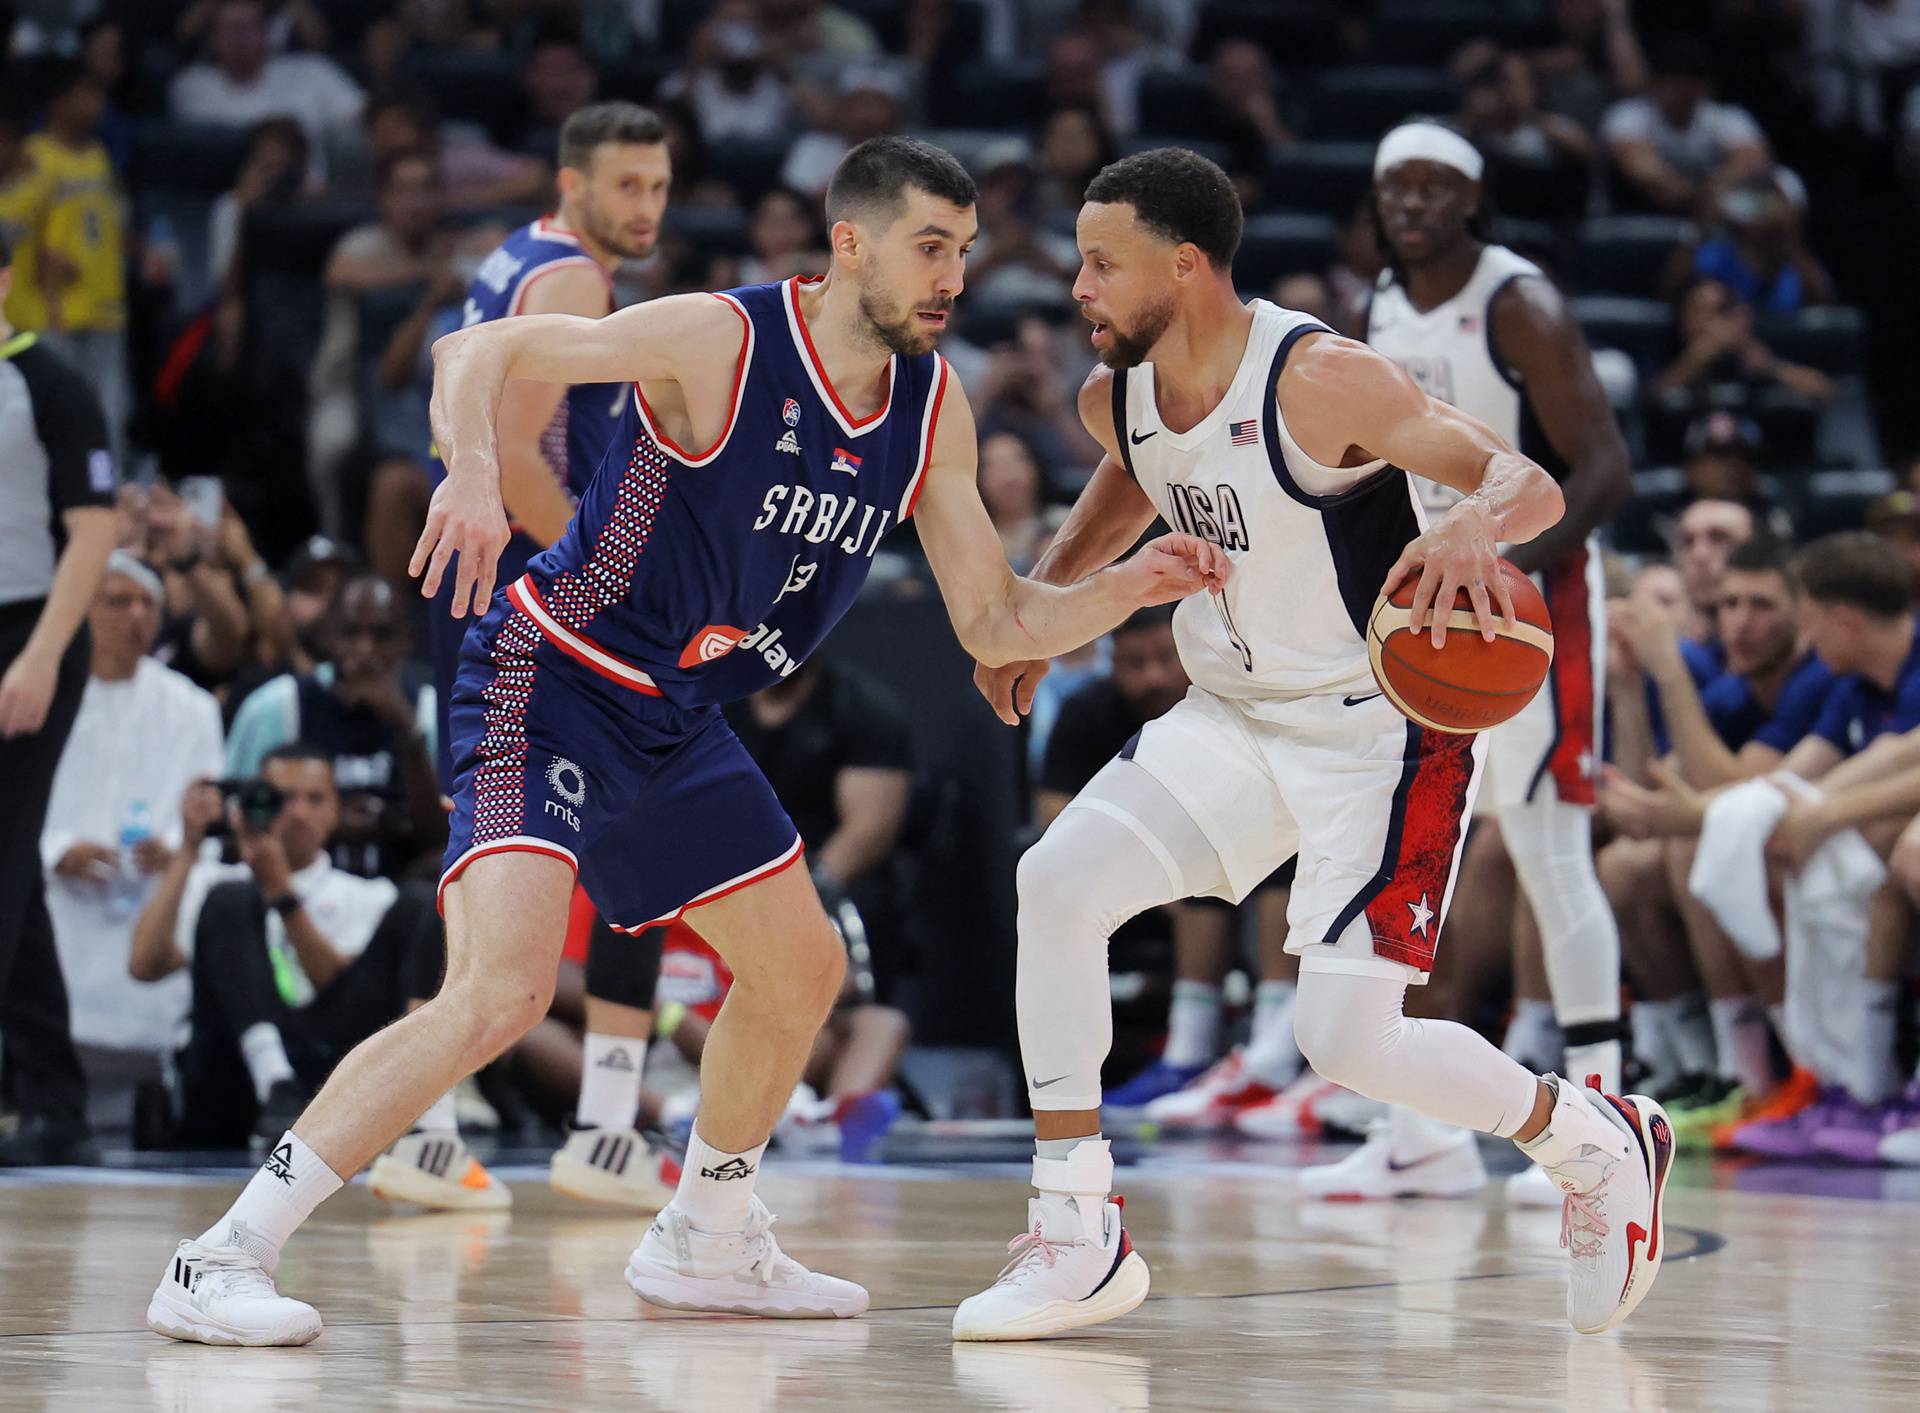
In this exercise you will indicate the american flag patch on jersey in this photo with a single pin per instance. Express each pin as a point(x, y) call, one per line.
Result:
point(1244, 433)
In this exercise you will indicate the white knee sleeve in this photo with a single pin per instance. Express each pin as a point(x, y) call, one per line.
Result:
point(1124, 845)
point(1552, 848)
point(1351, 1029)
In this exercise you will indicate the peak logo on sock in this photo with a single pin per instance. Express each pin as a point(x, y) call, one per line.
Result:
point(730, 1170)
point(280, 1163)
point(615, 1060)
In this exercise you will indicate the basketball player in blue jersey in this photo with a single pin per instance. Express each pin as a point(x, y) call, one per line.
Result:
point(775, 435)
point(614, 179)
point(1290, 448)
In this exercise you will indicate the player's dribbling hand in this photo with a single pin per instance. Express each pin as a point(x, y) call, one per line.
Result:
point(1174, 566)
point(1009, 690)
point(467, 518)
point(1456, 552)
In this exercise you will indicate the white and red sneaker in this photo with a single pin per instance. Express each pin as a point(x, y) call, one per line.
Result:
point(1405, 1155)
point(1292, 1113)
point(1059, 1276)
point(434, 1168)
point(1212, 1101)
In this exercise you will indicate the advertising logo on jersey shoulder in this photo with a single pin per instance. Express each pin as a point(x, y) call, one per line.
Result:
point(716, 640)
point(844, 460)
point(790, 413)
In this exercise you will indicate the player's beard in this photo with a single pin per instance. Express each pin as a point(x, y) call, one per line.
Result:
point(894, 328)
point(606, 233)
point(1129, 349)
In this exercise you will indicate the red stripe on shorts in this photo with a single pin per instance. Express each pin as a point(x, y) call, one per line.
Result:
point(1430, 816)
point(1571, 761)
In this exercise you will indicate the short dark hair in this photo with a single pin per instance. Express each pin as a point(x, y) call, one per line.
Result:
point(296, 751)
point(1158, 616)
point(1763, 552)
point(1858, 568)
point(1178, 195)
point(596, 124)
point(873, 179)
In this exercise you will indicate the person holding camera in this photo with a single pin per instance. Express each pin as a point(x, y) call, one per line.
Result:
point(293, 961)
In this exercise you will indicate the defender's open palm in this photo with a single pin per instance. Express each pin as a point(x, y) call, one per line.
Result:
point(1456, 552)
point(1173, 567)
point(466, 517)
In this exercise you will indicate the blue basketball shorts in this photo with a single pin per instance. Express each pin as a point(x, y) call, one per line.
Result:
point(657, 808)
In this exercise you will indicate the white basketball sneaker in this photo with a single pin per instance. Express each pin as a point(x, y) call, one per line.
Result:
point(1211, 1102)
point(1531, 1187)
point(225, 1295)
point(435, 1169)
point(1405, 1155)
point(737, 1272)
point(1291, 1113)
point(615, 1166)
point(1610, 1157)
point(1059, 1276)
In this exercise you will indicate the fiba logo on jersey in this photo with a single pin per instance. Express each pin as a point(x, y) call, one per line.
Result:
point(716, 640)
point(790, 413)
point(569, 782)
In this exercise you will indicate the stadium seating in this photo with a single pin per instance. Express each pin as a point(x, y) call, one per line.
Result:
point(1627, 255)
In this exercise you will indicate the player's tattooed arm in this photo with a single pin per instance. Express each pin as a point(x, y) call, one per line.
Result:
point(1346, 405)
point(1001, 618)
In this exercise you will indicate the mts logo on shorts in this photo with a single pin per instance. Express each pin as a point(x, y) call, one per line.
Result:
point(569, 785)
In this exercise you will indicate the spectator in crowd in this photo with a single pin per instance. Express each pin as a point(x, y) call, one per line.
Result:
point(313, 579)
point(1074, 144)
point(144, 733)
point(1015, 258)
point(204, 627)
point(1244, 104)
point(290, 25)
point(814, 30)
point(1030, 389)
point(1011, 488)
point(371, 712)
point(1895, 518)
point(1703, 537)
point(292, 960)
point(242, 80)
point(1758, 253)
point(103, 59)
point(1308, 293)
point(729, 83)
point(1358, 264)
point(57, 528)
point(1500, 111)
point(475, 173)
point(1144, 681)
point(866, 104)
point(1674, 145)
point(785, 239)
point(24, 190)
point(1722, 460)
point(1718, 344)
point(1593, 58)
point(413, 28)
point(273, 173)
point(559, 79)
point(77, 297)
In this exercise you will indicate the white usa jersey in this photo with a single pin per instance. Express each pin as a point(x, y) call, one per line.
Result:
point(1449, 351)
point(1310, 544)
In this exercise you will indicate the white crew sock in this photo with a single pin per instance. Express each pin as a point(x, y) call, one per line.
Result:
point(290, 1184)
point(610, 1081)
point(265, 1056)
point(1740, 1033)
point(1074, 1183)
point(1272, 1056)
point(439, 1117)
point(716, 1188)
point(1193, 1023)
point(1533, 1035)
point(1878, 1074)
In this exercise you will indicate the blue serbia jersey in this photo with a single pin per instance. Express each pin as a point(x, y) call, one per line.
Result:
point(702, 575)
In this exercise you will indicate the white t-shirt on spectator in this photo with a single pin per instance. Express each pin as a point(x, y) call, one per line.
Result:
point(762, 111)
point(308, 88)
point(345, 907)
point(137, 743)
point(1695, 150)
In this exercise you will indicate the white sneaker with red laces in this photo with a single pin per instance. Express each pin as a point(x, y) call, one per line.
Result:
point(1211, 1101)
point(1610, 1156)
point(1060, 1276)
point(1291, 1113)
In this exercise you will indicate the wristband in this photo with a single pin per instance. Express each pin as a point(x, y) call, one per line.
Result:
point(287, 904)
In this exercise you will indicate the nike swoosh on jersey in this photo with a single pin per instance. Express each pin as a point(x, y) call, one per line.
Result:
point(1355, 701)
point(1138, 437)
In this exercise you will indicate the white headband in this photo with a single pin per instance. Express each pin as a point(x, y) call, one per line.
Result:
point(123, 563)
point(1428, 142)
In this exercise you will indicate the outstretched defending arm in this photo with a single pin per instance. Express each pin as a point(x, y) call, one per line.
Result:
point(667, 340)
point(1002, 618)
point(1345, 403)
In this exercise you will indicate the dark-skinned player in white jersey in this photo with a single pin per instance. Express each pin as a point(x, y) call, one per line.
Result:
point(1482, 328)
point(1291, 449)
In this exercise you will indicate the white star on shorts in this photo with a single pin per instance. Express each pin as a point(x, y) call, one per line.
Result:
point(1422, 915)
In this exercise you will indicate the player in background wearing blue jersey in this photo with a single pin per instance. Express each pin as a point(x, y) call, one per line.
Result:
point(614, 179)
point(587, 726)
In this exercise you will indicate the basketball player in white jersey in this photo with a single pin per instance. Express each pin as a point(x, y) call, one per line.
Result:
point(1481, 328)
point(1257, 428)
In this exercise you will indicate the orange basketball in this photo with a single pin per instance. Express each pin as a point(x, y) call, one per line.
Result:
point(1470, 684)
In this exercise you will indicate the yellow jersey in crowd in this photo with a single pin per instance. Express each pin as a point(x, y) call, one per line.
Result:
point(23, 208)
point(82, 226)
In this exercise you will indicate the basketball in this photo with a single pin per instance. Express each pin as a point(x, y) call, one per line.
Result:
point(1470, 684)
